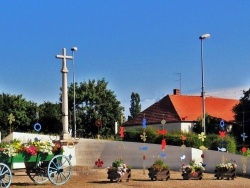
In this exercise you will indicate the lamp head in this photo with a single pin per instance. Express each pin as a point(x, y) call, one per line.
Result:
point(205, 36)
point(74, 49)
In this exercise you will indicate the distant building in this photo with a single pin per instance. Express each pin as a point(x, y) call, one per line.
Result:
point(182, 111)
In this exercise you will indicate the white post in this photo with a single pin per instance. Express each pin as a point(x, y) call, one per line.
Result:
point(116, 128)
point(65, 134)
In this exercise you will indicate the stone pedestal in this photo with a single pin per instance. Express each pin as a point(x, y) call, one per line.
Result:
point(66, 137)
point(69, 149)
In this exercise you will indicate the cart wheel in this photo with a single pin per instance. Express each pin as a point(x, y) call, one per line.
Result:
point(5, 175)
point(38, 175)
point(59, 170)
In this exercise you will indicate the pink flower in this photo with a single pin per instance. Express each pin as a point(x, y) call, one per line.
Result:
point(32, 150)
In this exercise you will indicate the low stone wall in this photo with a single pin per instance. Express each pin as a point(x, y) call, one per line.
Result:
point(88, 151)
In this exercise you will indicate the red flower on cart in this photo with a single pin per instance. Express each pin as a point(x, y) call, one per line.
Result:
point(32, 150)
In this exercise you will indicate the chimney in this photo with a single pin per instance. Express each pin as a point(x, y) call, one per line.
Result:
point(177, 92)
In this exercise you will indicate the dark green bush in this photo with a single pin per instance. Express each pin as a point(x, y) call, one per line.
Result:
point(230, 143)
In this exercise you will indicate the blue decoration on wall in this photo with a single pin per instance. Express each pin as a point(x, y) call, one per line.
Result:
point(37, 127)
point(222, 149)
point(244, 136)
point(223, 142)
point(183, 157)
point(37, 140)
point(144, 148)
point(70, 156)
point(163, 155)
point(203, 164)
point(144, 122)
point(222, 124)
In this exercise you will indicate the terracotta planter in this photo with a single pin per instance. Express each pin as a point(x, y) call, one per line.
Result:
point(113, 175)
point(221, 173)
point(188, 174)
point(155, 174)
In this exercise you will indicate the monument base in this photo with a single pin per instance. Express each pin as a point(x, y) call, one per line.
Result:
point(65, 136)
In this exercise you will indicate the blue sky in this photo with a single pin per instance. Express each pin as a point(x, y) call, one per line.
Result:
point(136, 45)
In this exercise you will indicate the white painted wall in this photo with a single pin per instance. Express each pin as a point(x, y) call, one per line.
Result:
point(90, 150)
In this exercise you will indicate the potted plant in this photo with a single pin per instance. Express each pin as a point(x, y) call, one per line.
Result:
point(193, 170)
point(159, 170)
point(225, 170)
point(119, 171)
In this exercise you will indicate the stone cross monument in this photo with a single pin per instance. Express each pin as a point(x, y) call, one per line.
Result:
point(65, 119)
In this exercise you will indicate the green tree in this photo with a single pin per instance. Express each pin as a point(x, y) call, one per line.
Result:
point(242, 117)
point(135, 104)
point(212, 125)
point(50, 118)
point(23, 111)
point(94, 102)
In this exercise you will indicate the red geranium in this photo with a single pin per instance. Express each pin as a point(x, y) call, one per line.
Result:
point(32, 150)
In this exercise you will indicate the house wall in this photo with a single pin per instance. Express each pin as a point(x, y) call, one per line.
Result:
point(187, 127)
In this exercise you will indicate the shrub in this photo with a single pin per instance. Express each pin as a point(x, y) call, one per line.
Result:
point(230, 143)
point(212, 141)
point(159, 165)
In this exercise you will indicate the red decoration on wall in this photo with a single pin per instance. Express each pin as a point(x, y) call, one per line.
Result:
point(98, 123)
point(222, 134)
point(183, 138)
point(244, 150)
point(121, 132)
point(162, 132)
point(99, 163)
point(163, 144)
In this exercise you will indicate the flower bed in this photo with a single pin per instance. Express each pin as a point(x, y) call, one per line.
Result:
point(159, 171)
point(119, 171)
point(227, 170)
point(192, 171)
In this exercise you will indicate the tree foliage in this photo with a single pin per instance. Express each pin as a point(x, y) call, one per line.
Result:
point(50, 118)
point(135, 104)
point(94, 101)
point(242, 117)
point(212, 125)
point(23, 111)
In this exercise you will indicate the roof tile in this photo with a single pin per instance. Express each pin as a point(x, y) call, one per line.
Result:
point(176, 108)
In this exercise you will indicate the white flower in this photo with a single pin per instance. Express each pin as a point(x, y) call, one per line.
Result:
point(10, 150)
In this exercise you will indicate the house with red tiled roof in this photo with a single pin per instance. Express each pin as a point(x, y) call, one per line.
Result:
point(181, 112)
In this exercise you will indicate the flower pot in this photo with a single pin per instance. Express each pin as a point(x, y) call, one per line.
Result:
point(188, 173)
point(221, 173)
point(115, 175)
point(155, 174)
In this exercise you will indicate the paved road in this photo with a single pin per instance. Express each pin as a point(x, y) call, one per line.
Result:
point(97, 178)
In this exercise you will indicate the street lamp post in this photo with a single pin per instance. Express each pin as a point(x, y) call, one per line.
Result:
point(205, 36)
point(73, 49)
